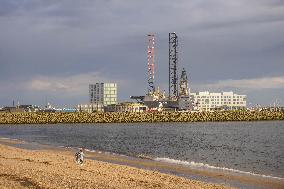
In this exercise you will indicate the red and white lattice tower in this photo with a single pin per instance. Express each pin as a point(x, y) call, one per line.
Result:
point(151, 65)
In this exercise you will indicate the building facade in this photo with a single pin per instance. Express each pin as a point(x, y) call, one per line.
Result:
point(90, 108)
point(126, 107)
point(102, 94)
point(206, 101)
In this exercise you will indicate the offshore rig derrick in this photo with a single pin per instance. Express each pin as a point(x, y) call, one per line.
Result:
point(151, 63)
point(154, 94)
point(155, 99)
point(173, 61)
point(183, 84)
point(185, 101)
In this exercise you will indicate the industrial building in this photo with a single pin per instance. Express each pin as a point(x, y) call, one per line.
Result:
point(126, 107)
point(206, 101)
point(20, 108)
point(102, 94)
point(89, 108)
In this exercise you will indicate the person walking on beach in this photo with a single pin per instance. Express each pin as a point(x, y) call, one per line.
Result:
point(79, 157)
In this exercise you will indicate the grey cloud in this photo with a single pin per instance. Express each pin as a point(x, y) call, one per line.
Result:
point(219, 40)
point(248, 84)
point(61, 88)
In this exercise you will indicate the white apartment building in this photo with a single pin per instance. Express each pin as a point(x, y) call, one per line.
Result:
point(205, 101)
point(102, 94)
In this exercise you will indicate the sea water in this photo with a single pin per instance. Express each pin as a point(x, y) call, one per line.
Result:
point(244, 147)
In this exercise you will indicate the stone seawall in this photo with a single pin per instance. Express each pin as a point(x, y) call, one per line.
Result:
point(130, 117)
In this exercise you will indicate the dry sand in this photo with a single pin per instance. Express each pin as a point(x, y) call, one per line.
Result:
point(21, 168)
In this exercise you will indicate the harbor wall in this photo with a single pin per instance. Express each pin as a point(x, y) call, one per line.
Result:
point(131, 117)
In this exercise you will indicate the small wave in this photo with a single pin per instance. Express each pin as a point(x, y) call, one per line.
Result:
point(68, 147)
point(88, 150)
point(5, 139)
point(8, 138)
point(142, 156)
point(207, 166)
point(103, 152)
point(96, 151)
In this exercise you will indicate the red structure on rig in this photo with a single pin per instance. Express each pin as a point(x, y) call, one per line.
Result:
point(151, 65)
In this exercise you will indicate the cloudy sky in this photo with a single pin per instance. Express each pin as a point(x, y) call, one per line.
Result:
point(51, 50)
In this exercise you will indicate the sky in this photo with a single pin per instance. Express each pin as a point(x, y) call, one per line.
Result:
point(51, 50)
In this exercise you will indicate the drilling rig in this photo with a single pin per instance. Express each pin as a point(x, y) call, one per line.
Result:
point(179, 96)
point(184, 100)
point(173, 61)
point(154, 93)
point(151, 64)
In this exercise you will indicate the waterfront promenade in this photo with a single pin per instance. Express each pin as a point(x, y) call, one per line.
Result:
point(131, 117)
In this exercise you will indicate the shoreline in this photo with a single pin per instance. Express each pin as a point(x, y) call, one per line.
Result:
point(134, 117)
point(56, 169)
point(219, 177)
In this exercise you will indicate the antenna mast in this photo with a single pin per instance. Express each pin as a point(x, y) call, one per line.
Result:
point(151, 65)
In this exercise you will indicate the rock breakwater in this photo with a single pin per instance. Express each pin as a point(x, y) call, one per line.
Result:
point(131, 117)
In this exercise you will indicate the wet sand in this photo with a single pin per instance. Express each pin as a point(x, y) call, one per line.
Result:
point(21, 168)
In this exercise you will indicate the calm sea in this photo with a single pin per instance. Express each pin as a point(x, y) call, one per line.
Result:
point(255, 147)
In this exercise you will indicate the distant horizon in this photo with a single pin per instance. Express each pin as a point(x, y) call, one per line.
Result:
point(52, 50)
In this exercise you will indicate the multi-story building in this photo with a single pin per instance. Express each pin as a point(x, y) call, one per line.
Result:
point(205, 101)
point(102, 94)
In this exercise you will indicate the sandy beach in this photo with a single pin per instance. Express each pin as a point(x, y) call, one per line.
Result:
point(20, 168)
